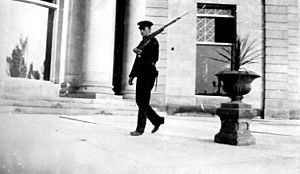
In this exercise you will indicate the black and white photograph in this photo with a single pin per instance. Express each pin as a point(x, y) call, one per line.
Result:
point(150, 87)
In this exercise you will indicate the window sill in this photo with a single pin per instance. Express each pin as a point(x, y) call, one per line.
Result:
point(214, 43)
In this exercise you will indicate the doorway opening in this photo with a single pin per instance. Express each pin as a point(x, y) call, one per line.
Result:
point(119, 43)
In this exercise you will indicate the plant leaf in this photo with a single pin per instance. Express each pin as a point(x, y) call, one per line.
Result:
point(224, 55)
point(250, 60)
point(250, 47)
point(254, 53)
point(218, 59)
point(243, 51)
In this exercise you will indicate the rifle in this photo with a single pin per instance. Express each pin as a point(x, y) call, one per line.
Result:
point(152, 35)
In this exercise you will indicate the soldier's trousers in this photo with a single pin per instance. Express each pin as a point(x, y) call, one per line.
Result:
point(143, 94)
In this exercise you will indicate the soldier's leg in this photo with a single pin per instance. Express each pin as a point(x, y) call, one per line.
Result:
point(141, 122)
point(151, 114)
point(154, 118)
point(142, 100)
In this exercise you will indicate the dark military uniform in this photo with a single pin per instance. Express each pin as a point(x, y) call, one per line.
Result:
point(145, 71)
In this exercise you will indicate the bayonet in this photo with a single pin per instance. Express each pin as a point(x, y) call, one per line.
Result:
point(155, 33)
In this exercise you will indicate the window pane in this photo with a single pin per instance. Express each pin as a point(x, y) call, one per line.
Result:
point(223, 12)
point(224, 30)
point(215, 10)
point(206, 68)
point(27, 40)
point(205, 29)
point(217, 25)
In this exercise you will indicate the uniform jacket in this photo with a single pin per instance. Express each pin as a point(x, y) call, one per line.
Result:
point(144, 66)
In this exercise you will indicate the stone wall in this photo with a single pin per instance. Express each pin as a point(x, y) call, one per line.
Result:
point(181, 51)
point(274, 23)
point(281, 62)
point(294, 62)
point(157, 12)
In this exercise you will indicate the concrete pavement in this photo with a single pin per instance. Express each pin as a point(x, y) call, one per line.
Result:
point(101, 144)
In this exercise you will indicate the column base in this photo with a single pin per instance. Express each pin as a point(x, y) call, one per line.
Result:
point(128, 94)
point(94, 90)
point(235, 122)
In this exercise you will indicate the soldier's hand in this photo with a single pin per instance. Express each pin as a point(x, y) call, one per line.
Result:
point(137, 51)
point(130, 81)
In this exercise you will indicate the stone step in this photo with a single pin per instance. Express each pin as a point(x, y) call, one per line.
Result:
point(64, 100)
point(16, 103)
point(70, 105)
point(66, 111)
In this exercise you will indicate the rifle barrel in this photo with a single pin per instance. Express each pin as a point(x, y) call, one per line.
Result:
point(168, 24)
point(161, 29)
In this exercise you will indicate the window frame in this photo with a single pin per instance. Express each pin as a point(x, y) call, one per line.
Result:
point(224, 6)
point(52, 40)
point(232, 15)
point(49, 5)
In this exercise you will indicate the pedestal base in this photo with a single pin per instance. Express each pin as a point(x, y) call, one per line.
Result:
point(235, 133)
point(235, 122)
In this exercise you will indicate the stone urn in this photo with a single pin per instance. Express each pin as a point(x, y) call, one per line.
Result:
point(235, 116)
point(237, 83)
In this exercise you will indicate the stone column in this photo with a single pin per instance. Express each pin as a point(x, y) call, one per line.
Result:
point(71, 39)
point(135, 12)
point(98, 49)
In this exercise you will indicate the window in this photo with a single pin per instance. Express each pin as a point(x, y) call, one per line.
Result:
point(215, 29)
point(215, 23)
point(30, 39)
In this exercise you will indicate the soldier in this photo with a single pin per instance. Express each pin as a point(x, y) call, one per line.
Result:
point(145, 71)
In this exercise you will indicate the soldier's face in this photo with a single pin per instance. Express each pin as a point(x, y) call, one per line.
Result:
point(145, 31)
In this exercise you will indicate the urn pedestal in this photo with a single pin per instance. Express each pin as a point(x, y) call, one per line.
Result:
point(235, 123)
point(236, 116)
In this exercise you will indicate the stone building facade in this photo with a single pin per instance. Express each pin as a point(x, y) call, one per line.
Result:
point(88, 43)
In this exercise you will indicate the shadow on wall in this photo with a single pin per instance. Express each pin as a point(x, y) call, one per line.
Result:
point(200, 109)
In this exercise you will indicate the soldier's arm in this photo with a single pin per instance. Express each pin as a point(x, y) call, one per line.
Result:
point(133, 72)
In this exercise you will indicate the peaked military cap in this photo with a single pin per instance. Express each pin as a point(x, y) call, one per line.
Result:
point(143, 24)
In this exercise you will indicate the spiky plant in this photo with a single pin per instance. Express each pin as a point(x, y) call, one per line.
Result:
point(242, 52)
